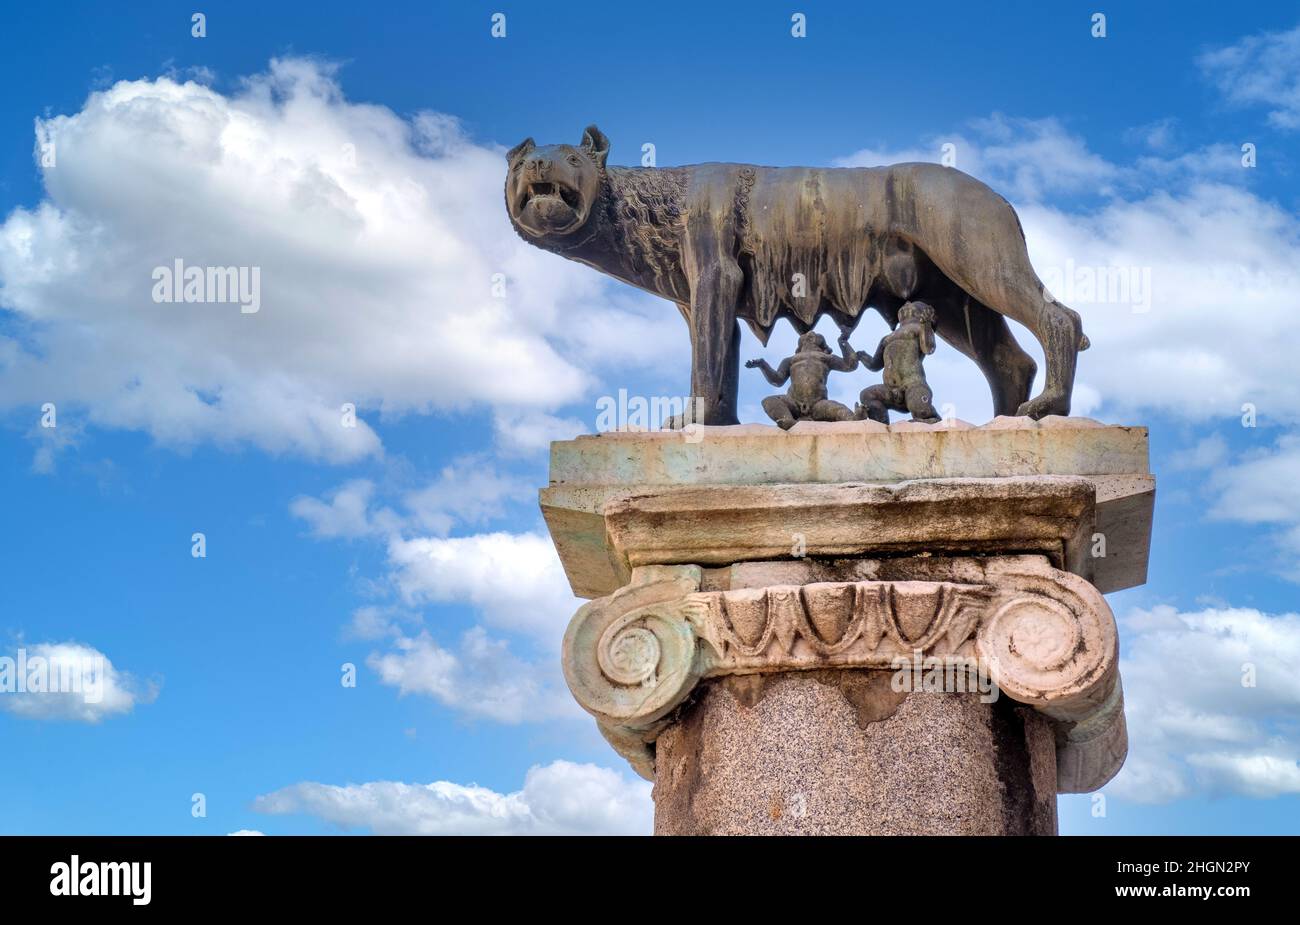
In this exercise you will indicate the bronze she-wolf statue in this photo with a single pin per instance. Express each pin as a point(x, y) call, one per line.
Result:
point(730, 242)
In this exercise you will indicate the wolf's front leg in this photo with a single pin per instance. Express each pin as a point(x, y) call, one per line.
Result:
point(715, 372)
point(716, 281)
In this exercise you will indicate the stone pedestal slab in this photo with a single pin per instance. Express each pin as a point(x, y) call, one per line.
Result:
point(589, 472)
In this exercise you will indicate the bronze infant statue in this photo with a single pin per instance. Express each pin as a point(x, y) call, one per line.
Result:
point(807, 371)
point(900, 354)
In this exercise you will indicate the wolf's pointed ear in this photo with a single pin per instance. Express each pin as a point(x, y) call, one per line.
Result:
point(596, 145)
point(522, 148)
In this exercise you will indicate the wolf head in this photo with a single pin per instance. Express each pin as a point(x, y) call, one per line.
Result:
point(551, 190)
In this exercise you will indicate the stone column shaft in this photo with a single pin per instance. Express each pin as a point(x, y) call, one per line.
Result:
point(841, 753)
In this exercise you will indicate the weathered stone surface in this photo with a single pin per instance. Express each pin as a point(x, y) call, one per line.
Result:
point(811, 428)
point(1051, 515)
point(850, 451)
point(757, 636)
point(1125, 507)
point(1044, 637)
point(588, 473)
point(839, 752)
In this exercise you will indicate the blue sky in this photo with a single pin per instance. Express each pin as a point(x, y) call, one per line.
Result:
point(355, 157)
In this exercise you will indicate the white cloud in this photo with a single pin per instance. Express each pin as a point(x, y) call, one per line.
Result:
point(1262, 487)
point(631, 329)
point(1023, 159)
point(376, 239)
point(562, 798)
point(481, 678)
point(1216, 161)
point(1207, 453)
point(246, 832)
point(469, 491)
point(1194, 726)
point(1222, 266)
point(375, 622)
point(1260, 776)
point(67, 681)
point(1159, 134)
point(514, 583)
point(525, 433)
point(1040, 160)
point(1260, 70)
point(514, 579)
point(51, 442)
point(346, 513)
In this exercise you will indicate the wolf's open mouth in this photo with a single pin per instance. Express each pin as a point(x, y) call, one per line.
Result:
point(569, 196)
